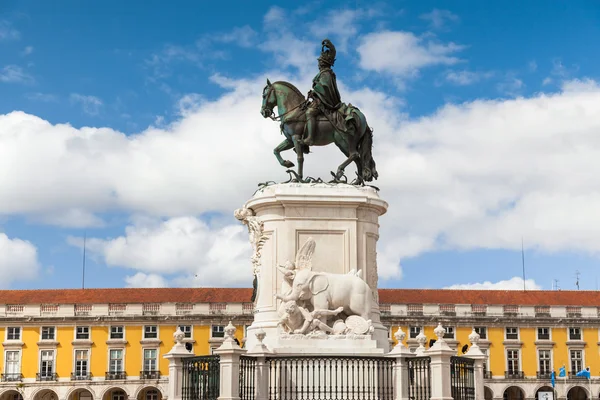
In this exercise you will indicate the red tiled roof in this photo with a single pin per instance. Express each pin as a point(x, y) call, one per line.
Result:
point(497, 297)
point(224, 295)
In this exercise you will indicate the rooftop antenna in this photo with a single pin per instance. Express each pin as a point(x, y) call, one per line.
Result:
point(523, 262)
point(577, 279)
point(554, 284)
point(83, 263)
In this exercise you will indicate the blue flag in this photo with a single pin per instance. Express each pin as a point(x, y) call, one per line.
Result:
point(562, 372)
point(585, 373)
point(552, 377)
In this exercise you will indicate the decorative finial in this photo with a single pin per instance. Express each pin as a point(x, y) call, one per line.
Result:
point(474, 338)
point(421, 339)
point(179, 336)
point(229, 332)
point(400, 335)
point(439, 332)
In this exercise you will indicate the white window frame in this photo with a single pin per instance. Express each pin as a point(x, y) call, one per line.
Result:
point(550, 368)
point(582, 360)
point(151, 390)
point(580, 332)
point(118, 390)
point(144, 359)
point(41, 351)
point(512, 327)
point(89, 332)
point(42, 333)
point(20, 328)
point(475, 328)
point(5, 366)
point(191, 331)
point(544, 327)
point(486, 361)
point(157, 332)
point(122, 360)
point(116, 326)
point(89, 355)
point(212, 331)
point(446, 328)
point(506, 350)
point(414, 326)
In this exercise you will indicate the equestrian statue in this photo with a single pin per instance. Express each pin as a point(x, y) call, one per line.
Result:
point(319, 120)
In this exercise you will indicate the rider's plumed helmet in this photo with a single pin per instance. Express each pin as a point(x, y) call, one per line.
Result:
point(327, 53)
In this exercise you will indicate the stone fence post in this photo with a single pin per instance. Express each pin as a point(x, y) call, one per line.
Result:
point(229, 364)
point(261, 377)
point(400, 378)
point(440, 354)
point(175, 357)
point(478, 357)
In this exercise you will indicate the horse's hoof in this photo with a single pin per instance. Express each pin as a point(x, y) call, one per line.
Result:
point(288, 164)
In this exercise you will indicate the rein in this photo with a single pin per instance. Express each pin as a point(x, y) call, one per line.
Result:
point(280, 116)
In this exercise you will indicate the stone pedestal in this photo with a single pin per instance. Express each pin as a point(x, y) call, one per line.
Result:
point(344, 222)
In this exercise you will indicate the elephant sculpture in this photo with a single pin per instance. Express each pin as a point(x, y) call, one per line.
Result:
point(326, 291)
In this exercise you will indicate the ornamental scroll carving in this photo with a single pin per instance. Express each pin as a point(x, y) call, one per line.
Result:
point(257, 240)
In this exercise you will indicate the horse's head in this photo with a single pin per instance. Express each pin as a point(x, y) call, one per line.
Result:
point(269, 100)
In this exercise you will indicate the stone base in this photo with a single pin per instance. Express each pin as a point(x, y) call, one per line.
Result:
point(333, 344)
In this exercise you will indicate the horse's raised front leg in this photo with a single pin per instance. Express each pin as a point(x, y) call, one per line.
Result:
point(283, 146)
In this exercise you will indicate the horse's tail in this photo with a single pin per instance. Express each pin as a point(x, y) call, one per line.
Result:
point(365, 148)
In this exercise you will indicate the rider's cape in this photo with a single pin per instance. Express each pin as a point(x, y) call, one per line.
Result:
point(339, 114)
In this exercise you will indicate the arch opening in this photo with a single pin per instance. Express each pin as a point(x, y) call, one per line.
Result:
point(514, 393)
point(577, 393)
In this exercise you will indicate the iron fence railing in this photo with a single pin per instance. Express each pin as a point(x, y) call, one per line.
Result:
point(330, 377)
point(14, 377)
point(201, 378)
point(419, 378)
point(247, 377)
point(462, 378)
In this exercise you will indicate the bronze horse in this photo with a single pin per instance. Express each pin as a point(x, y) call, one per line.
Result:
point(356, 146)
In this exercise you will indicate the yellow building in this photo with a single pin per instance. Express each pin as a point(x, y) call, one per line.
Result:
point(108, 344)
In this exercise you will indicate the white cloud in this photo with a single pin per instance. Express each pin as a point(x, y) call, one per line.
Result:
point(7, 32)
point(515, 283)
point(14, 74)
point(466, 77)
point(243, 36)
point(274, 16)
point(27, 51)
point(18, 260)
point(43, 97)
point(184, 246)
point(91, 105)
point(511, 86)
point(439, 18)
point(403, 53)
point(141, 280)
point(341, 23)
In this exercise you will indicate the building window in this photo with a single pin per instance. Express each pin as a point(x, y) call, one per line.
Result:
point(13, 333)
point(512, 358)
point(48, 333)
point(46, 363)
point(574, 333)
point(512, 333)
point(414, 331)
point(449, 334)
point(150, 332)
point(116, 361)
point(150, 360)
point(481, 331)
point(83, 332)
point(187, 331)
point(218, 331)
point(544, 360)
point(81, 363)
point(543, 334)
point(485, 360)
point(152, 394)
point(117, 395)
point(576, 361)
point(12, 369)
point(116, 332)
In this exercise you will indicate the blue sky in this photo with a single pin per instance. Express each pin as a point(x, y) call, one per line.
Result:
point(485, 117)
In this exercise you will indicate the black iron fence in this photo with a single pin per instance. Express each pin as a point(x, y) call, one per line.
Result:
point(247, 377)
point(462, 378)
point(419, 378)
point(330, 378)
point(201, 378)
